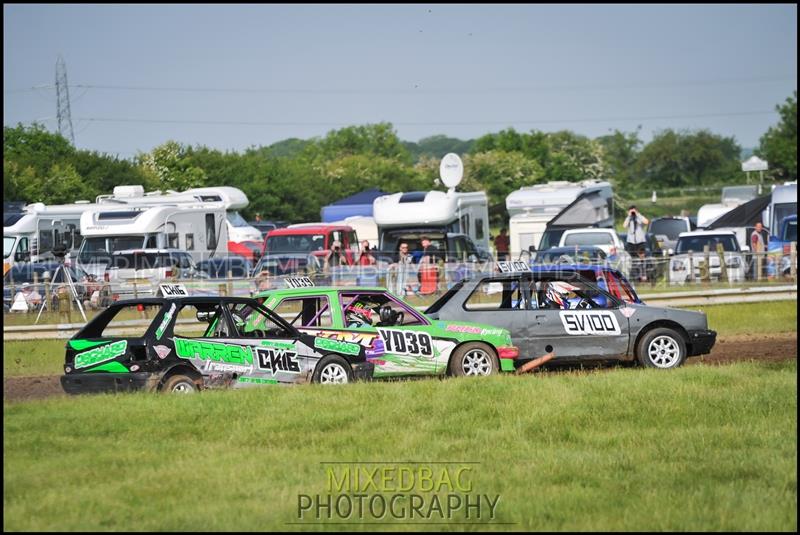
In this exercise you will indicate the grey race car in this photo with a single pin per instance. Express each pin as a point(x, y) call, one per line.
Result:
point(561, 312)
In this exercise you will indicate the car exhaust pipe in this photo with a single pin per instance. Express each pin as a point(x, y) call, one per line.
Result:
point(535, 363)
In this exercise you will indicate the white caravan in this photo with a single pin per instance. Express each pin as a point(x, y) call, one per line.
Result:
point(233, 199)
point(783, 203)
point(530, 209)
point(433, 211)
point(29, 236)
point(365, 227)
point(199, 230)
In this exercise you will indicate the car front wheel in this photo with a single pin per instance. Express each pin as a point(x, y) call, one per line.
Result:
point(473, 359)
point(179, 384)
point(661, 348)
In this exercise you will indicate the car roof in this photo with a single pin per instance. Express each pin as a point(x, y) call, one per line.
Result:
point(706, 233)
point(589, 229)
point(322, 289)
point(146, 251)
point(182, 299)
point(310, 229)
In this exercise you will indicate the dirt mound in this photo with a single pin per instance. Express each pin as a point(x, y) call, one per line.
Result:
point(772, 347)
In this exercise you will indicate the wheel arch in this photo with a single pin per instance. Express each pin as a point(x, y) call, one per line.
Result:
point(184, 369)
point(675, 326)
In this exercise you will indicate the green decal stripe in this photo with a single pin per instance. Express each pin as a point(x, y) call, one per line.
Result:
point(85, 344)
point(507, 365)
point(257, 380)
point(112, 367)
point(335, 345)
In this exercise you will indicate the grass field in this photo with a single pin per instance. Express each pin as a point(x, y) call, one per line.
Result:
point(698, 448)
point(46, 357)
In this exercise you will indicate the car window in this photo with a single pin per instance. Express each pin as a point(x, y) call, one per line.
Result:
point(202, 321)
point(696, 244)
point(588, 238)
point(498, 294)
point(253, 322)
point(568, 293)
point(363, 309)
point(120, 317)
point(309, 311)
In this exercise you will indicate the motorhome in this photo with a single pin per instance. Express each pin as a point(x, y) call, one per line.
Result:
point(531, 208)
point(30, 235)
point(233, 199)
point(783, 203)
point(432, 212)
point(198, 229)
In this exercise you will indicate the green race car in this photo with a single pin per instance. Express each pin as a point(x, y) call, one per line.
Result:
point(399, 340)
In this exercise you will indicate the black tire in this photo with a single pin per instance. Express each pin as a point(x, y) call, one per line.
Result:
point(332, 369)
point(179, 384)
point(473, 359)
point(662, 348)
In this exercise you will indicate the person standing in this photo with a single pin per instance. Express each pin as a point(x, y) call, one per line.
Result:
point(366, 258)
point(501, 244)
point(758, 248)
point(401, 269)
point(635, 226)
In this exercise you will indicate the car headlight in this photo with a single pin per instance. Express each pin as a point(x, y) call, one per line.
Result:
point(734, 262)
point(678, 265)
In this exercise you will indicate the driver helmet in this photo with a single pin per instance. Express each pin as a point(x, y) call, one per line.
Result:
point(359, 314)
point(558, 292)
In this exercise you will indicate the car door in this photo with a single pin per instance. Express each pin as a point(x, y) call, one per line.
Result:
point(601, 330)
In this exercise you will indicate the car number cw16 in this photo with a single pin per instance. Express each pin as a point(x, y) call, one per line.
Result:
point(413, 343)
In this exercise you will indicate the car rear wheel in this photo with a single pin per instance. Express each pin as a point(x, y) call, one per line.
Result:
point(333, 370)
point(473, 359)
point(661, 348)
point(179, 384)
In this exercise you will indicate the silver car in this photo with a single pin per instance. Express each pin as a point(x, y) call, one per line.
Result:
point(558, 311)
point(686, 264)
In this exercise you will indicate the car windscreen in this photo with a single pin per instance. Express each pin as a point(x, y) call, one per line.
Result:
point(236, 220)
point(670, 228)
point(8, 245)
point(696, 244)
point(782, 210)
point(588, 238)
point(297, 243)
point(554, 255)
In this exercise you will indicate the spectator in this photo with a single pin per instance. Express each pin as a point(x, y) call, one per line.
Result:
point(758, 247)
point(501, 244)
point(401, 286)
point(366, 258)
point(335, 257)
point(32, 297)
point(635, 226)
point(423, 256)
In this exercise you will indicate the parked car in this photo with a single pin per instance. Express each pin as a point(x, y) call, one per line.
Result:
point(287, 264)
point(151, 265)
point(780, 244)
point(604, 238)
point(412, 343)
point(218, 268)
point(313, 238)
point(667, 229)
point(194, 343)
point(695, 242)
point(556, 311)
point(251, 250)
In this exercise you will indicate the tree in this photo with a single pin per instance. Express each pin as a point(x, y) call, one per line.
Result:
point(620, 151)
point(168, 167)
point(676, 159)
point(374, 139)
point(779, 144)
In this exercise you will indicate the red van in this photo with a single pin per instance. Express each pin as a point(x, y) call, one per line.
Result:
point(315, 238)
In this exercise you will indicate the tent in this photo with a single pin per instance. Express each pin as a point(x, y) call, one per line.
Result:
point(744, 215)
point(358, 204)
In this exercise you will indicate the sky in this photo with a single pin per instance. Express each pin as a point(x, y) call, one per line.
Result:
point(231, 77)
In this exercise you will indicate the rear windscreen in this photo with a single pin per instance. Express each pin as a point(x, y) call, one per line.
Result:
point(142, 261)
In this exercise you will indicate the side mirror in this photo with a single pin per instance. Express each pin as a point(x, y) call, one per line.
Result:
point(22, 256)
point(531, 248)
point(746, 249)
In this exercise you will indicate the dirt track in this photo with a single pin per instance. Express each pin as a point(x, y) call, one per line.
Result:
point(771, 348)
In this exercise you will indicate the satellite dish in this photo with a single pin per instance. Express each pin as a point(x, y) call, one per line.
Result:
point(451, 170)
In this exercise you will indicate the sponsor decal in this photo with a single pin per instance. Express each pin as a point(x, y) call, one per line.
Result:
point(257, 380)
point(361, 338)
point(173, 290)
point(299, 282)
point(162, 351)
point(414, 343)
point(589, 322)
point(335, 345)
point(463, 329)
point(277, 360)
point(215, 351)
point(211, 366)
point(492, 332)
point(100, 354)
point(165, 321)
point(627, 311)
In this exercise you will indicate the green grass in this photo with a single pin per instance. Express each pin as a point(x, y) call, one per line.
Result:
point(46, 357)
point(698, 448)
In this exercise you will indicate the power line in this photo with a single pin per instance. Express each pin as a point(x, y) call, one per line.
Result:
point(423, 123)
